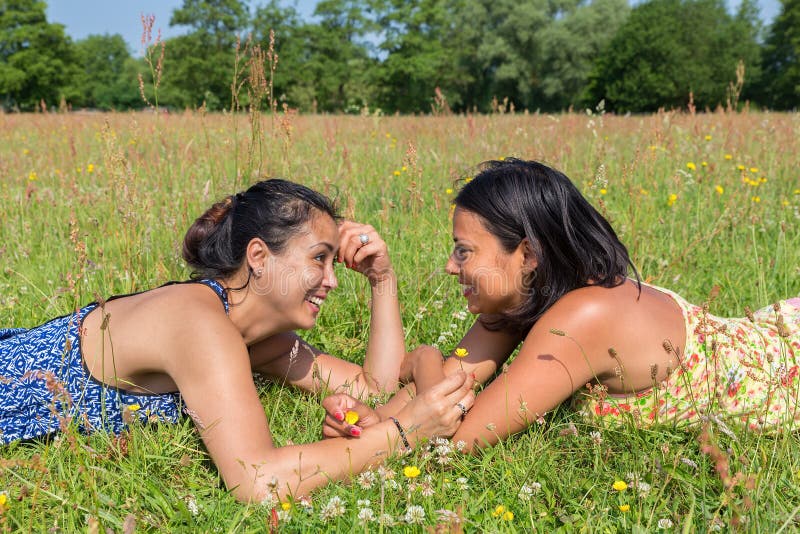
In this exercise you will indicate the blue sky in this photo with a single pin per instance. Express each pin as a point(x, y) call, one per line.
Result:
point(86, 17)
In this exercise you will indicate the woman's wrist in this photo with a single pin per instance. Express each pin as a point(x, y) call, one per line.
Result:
point(383, 282)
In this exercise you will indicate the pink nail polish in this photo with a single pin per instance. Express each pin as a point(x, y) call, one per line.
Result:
point(338, 415)
point(355, 431)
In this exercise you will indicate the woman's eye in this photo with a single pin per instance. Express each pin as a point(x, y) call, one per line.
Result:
point(459, 253)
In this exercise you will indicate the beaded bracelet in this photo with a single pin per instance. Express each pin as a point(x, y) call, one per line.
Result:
point(402, 432)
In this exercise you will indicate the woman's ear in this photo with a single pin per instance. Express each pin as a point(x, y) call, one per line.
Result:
point(530, 260)
point(256, 255)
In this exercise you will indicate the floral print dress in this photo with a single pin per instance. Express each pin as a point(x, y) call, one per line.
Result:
point(736, 369)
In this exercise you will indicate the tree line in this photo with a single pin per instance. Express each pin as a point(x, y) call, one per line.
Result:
point(413, 56)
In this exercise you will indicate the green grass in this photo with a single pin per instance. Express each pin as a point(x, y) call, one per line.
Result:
point(98, 204)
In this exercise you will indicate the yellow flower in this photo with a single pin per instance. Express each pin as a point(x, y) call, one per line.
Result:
point(619, 485)
point(643, 192)
point(797, 191)
point(756, 199)
point(652, 147)
point(90, 168)
point(708, 138)
point(508, 516)
point(728, 157)
point(691, 166)
point(411, 471)
point(785, 202)
point(25, 151)
point(469, 179)
point(79, 169)
point(502, 158)
point(3, 499)
point(740, 167)
point(286, 506)
point(351, 417)
point(753, 169)
point(449, 191)
point(397, 173)
point(32, 176)
point(500, 510)
point(603, 191)
point(763, 179)
point(134, 407)
point(624, 507)
point(404, 168)
point(719, 189)
point(704, 164)
point(671, 200)
point(388, 135)
point(461, 352)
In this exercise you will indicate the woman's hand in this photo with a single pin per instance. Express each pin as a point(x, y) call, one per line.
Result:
point(438, 411)
point(362, 249)
point(336, 424)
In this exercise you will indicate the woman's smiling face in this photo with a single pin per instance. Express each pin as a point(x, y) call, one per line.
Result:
point(491, 277)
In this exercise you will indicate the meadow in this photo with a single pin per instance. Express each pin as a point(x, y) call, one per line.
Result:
point(96, 204)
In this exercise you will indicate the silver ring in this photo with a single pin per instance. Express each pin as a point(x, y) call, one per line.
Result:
point(463, 409)
point(364, 238)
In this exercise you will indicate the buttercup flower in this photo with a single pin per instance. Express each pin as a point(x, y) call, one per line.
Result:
point(411, 471)
point(351, 417)
point(672, 199)
point(461, 352)
point(619, 485)
point(500, 510)
point(449, 191)
point(508, 516)
point(624, 507)
point(691, 166)
point(603, 191)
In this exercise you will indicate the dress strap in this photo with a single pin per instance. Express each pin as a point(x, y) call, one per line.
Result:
point(221, 292)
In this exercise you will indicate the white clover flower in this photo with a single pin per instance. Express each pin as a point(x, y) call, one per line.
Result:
point(386, 520)
point(366, 479)
point(414, 514)
point(689, 462)
point(191, 505)
point(665, 523)
point(334, 508)
point(366, 515)
point(596, 437)
point(363, 503)
point(462, 483)
point(461, 445)
point(284, 516)
point(528, 489)
point(447, 516)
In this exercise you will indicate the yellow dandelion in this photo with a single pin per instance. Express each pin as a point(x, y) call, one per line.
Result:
point(624, 507)
point(691, 166)
point(499, 510)
point(740, 167)
point(619, 485)
point(33, 176)
point(90, 168)
point(508, 516)
point(134, 407)
point(728, 157)
point(3, 499)
point(603, 191)
point(286, 506)
point(754, 169)
point(449, 190)
point(785, 202)
point(763, 179)
point(404, 168)
point(756, 199)
point(708, 138)
point(411, 471)
point(797, 191)
point(396, 173)
point(351, 417)
point(719, 189)
point(704, 164)
point(672, 199)
point(461, 352)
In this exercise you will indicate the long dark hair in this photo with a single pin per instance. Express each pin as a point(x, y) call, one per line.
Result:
point(573, 244)
point(274, 210)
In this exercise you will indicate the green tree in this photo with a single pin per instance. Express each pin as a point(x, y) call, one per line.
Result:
point(105, 80)
point(198, 67)
point(37, 61)
point(668, 49)
point(781, 65)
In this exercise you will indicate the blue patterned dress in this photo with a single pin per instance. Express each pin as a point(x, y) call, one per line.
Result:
point(44, 383)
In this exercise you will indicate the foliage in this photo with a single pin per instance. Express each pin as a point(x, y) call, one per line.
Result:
point(107, 77)
point(36, 58)
point(782, 59)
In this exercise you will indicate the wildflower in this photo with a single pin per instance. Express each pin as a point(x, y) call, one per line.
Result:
point(756, 199)
point(596, 437)
point(728, 157)
point(691, 166)
point(334, 508)
point(396, 173)
point(3, 499)
point(502, 158)
point(351, 417)
point(671, 200)
point(365, 515)
point(191, 505)
point(704, 164)
point(404, 168)
point(708, 138)
point(386, 520)
point(665, 523)
point(624, 507)
point(500, 510)
point(689, 462)
point(414, 514)
point(740, 167)
point(643, 192)
point(449, 191)
point(462, 483)
point(411, 471)
point(603, 191)
point(619, 485)
point(25, 151)
point(134, 407)
point(527, 490)
point(366, 479)
point(447, 516)
point(461, 352)
point(763, 179)
point(90, 168)
point(388, 136)
point(785, 202)
point(797, 191)
point(754, 169)
point(719, 189)
point(508, 516)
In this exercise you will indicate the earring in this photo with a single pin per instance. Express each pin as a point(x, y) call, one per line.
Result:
point(259, 272)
